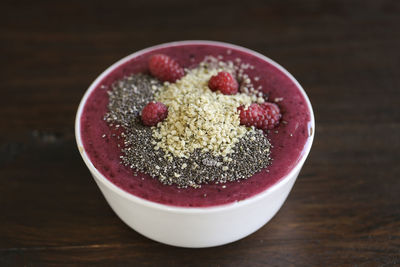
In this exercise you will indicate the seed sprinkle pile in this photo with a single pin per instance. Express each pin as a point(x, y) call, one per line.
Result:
point(201, 140)
point(199, 118)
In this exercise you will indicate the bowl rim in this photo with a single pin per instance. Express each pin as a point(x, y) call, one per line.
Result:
point(179, 209)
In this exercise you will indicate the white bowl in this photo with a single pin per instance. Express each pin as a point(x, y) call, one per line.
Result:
point(191, 226)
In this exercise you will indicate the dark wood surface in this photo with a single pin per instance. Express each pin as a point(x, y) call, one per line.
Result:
point(344, 208)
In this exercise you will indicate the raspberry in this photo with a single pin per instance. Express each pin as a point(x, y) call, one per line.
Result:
point(224, 82)
point(165, 68)
point(263, 116)
point(153, 113)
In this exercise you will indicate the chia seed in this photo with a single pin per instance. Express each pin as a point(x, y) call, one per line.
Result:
point(127, 98)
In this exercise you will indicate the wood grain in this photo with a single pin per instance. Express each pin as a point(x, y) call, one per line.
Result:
point(345, 207)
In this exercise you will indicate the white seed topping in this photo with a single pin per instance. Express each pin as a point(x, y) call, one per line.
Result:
point(199, 118)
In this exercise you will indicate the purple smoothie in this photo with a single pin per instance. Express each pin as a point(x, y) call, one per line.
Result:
point(288, 139)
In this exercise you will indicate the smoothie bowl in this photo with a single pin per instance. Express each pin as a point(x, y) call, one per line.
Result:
point(195, 143)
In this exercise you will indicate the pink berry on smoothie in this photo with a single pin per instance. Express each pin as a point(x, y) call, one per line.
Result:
point(165, 68)
point(153, 113)
point(224, 82)
point(263, 116)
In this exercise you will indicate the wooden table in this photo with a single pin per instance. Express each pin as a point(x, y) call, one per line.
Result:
point(345, 206)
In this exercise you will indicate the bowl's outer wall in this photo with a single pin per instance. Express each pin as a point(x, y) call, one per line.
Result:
point(197, 229)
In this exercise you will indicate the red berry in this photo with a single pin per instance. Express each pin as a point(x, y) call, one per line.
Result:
point(224, 82)
point(153, 113)
point(251, 116)
point(165, 68)
point(263, 116)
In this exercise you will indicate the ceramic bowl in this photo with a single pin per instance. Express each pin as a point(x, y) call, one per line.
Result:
point(193, 226)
